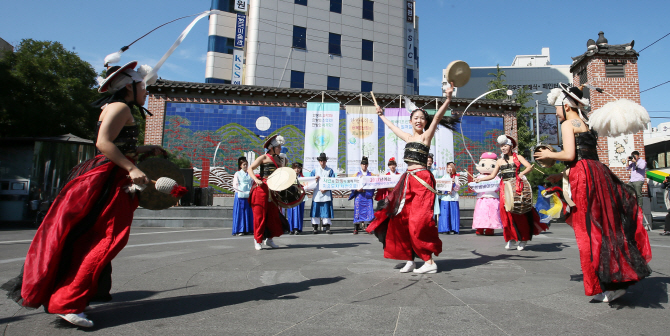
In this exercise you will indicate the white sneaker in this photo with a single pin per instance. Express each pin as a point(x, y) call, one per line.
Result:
point(613, 295)
point(510, 244)
point(427, 268)
point(599, 297)
point(80, 320)
point(522, 246)
point(258, 246)
point(270, 243)
point(408, 267)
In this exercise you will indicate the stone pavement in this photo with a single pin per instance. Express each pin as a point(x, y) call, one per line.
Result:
point(206, 282)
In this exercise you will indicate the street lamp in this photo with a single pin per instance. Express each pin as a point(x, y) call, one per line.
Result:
point(537, 118)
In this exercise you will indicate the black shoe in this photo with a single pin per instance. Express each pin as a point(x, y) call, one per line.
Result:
point(665, 233)
point(291, 233)
point(297, 232)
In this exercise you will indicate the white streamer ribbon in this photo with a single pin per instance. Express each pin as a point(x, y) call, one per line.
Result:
point(176, 43)
point(461, 123)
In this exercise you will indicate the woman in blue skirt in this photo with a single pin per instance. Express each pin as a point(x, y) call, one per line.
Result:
point(450, 213)
point(296, 215)
point(243, 220)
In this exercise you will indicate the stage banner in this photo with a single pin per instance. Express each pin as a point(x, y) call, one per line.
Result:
point(362, 138)
point(379, 182)
point(339, 183)
point(491, 185)
point(444, 184)
point(321, 132)
point(442, 148)
point(394, 146)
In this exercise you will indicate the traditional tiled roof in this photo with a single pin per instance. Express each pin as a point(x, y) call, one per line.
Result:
point(601, 48)
point(217, 88)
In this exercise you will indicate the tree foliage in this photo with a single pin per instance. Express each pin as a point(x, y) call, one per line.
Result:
point(180, 161)
point(46, 90)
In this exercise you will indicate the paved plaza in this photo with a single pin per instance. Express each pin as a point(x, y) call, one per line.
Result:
point(206, 282)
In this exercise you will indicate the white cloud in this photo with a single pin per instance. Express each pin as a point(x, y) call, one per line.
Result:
point(430, 82)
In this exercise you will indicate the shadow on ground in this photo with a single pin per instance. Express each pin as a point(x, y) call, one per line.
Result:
point(116, 314)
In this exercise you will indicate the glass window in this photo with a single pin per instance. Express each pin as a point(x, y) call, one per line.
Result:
point(416, 86)
point(661, 160)
point(366, 86)
point(336, 6)
point(410, 75)
point(221, 44)
point(367, 50)
point(333, 83)
point(369, 10)
point(301, 2)
point(297, 79)
point(224, 5)
point(299, 37)
point(334, 44)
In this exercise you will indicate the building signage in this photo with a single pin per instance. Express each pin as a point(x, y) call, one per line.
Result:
point(238, 62)
point(240, 30)
point(410, 44)
point(410, 11)
point(241, 5)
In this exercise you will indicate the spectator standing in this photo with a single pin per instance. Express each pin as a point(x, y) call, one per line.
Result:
point(637, 167)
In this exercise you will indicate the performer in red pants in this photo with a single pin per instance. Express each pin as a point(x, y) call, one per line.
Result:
point(614, 248)
point(89, 222)
point(405, 225)
point(269, 222)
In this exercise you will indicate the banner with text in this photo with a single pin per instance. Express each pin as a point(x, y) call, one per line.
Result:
point(485, 186)
point(442, 148)
point(394, 146)
point(355, 183)
point(444, 184)
point(362, 138)
point(322, 125)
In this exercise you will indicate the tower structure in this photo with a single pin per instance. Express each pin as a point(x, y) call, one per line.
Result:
point(612, 68)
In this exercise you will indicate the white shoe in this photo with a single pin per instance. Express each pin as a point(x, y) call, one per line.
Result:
point(599, 297)
point(522, 246)
point(408, 267)
point(79, 320)
point(270, 243)
point(258, 246)
point(427, 268)
point(613, 295)
point(510, 244)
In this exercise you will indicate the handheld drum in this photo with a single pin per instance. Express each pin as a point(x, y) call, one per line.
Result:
point(544, 163)
point(285, 190)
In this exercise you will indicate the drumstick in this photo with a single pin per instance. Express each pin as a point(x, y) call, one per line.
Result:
point(374, 99)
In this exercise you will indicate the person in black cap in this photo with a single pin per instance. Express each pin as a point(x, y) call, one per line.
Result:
point(322, 200)
point(363, 205)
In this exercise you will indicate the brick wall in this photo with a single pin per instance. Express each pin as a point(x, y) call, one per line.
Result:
point(153, 133)
point(627, 87)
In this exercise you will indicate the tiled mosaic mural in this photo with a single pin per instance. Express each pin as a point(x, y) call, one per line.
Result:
point(195, 130)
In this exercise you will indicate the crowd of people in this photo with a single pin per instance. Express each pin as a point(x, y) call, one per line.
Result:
point(68, 264)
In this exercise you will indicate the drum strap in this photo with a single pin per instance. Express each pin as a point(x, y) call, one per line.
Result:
point(424, 183)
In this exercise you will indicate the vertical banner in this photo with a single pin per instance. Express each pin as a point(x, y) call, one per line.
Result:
point(619, 148)
point(322, 125)
point(394, 146)
point(409, 28)
point(241, 5)
point(362, 138)
point(410, 11)
point(238, 61)
point(442, 148)
point(240, 30)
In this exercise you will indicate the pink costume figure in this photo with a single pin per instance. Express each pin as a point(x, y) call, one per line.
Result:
point(487, 208)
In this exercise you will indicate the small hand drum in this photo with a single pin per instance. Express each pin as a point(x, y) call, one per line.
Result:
point(458, 72)
point(518, 203)
point(546, 163)
point(155, 168)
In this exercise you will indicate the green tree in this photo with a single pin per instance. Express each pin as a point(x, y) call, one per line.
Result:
point(525, 114)
point(498, 82)
point(180, 161)
point(46, 90)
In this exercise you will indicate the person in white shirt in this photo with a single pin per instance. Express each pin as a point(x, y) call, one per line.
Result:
point(322, 200)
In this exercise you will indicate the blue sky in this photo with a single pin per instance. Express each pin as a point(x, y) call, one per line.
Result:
point(482, 33)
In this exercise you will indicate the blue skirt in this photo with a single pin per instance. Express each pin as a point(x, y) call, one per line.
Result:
point(322, 209)
point(243, 218)
point(295, 217)
point(450, 217)
point(363, 209)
